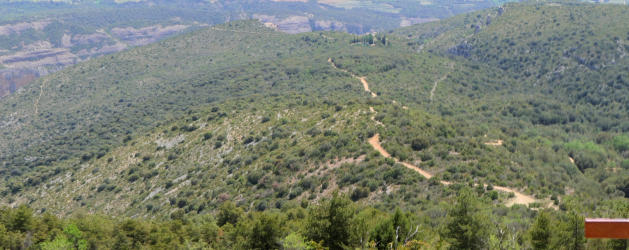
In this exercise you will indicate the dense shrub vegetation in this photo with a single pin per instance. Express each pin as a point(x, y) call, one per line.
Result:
point(239, 136)
point(334, 223)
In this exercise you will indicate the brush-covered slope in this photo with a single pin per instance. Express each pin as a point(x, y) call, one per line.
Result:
point(241, 135)
point(85, 120)
point(86, 112)
point(568, 62)
point(41, 37)
point(93, 104)
point(138, 127)
point(257, 152)
point(574, 52)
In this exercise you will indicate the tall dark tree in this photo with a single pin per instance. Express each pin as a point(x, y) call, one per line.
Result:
point(265, 233)
point(331, 222)
point(22, 219)
point(228, 213)
point(541, 231)
point(575, 226)
point(467, 227)
point(391, 232)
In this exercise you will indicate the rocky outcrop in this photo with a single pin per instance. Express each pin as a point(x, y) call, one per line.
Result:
point(299, 24)
point(17, 28)
point(87, 39)
point(22, 65)
point(34, 60)
point(106, 49)
point(291, 24)
point(411, 21)
point(38, 58)
point(146, 35)
point(11, 80)
point(329, 25)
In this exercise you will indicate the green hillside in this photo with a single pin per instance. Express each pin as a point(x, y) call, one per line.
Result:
point(38, 38)
point(575, 86)
point(191, 70)
point(487, 130)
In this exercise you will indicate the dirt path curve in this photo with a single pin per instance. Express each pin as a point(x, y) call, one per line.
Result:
point(434, 86)
point(373, 117)
point(519, 198)
point(374, 141)
point(41, 92)
point(362, 79)
point(494, 143)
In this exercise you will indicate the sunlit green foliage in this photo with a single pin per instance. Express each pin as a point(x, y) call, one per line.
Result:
point(243, 137)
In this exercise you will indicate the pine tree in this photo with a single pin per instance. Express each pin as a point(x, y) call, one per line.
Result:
point(541, 232)
point(392, 231)
point(330, 222)
point(22, 219)
point(577, 233)
point(265, 233)
point(468, 227)
point(228, 213)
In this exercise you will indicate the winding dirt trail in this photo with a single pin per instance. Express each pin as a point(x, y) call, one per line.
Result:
point(494, 143)
point(362, 79)
point(41, 92)
point(434, 86)
point(519, 197)
point(373, 117)
point(374, 141)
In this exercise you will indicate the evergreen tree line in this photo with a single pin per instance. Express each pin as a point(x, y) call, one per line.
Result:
point(370, 39)
point(335, 223)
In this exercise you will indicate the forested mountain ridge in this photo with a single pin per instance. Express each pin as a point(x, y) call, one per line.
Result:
point(208, 52)
point(38, 37)
point(234, 127)
point(575, 70)
point(554, 44)
point(35, 45)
